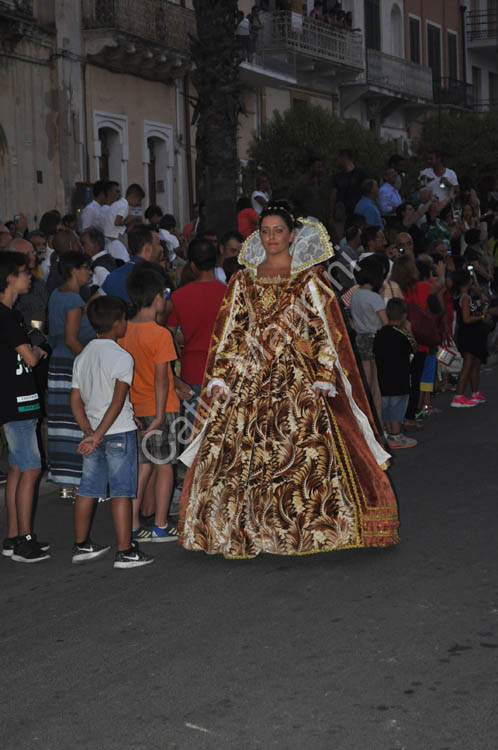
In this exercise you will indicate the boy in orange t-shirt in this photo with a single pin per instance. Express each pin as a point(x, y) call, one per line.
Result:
point(154, 400)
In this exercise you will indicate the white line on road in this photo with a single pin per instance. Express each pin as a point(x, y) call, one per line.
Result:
point(199, 729)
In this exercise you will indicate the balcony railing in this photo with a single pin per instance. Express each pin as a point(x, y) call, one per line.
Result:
point(159, 21)
point(17, 7)
point(399, 76)
point(291, 32)
point(482, 24)
point(453, 93)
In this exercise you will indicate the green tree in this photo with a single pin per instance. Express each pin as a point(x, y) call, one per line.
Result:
point(469, 142)
point(288, 139)
point(217, 106)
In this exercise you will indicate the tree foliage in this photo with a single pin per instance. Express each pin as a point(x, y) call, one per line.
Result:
point(469, 142)
point(217, 106)
point(288, 139)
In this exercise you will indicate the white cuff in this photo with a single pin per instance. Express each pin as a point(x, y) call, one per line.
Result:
point(323, 386)
point(214, 382)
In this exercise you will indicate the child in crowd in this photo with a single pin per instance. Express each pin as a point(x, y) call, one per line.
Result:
point(102, 376)
point(394, 347)
point(19, 412)
point(154, 399)
point(368, 315)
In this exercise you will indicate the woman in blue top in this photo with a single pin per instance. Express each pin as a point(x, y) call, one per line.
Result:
point(69, 332)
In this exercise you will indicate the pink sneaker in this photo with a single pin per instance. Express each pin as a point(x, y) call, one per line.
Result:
point(478, 396)
point(461, 402)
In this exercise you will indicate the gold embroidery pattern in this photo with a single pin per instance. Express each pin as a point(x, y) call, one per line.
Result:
point(276, 471)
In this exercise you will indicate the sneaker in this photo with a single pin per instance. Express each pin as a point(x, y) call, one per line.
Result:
point(27, 550)
point(132, 558)
point(9, 543)
point(461, 402)
point(479, 397)
point(168, 534)
point(87, 551)
point(141, 535)
point(400, 441)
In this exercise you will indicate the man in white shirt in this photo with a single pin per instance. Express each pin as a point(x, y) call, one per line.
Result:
point(262, 194)
point(437, 177)
point(117, 219)
point(103, 263)
point(90, 216)
point(389, 198)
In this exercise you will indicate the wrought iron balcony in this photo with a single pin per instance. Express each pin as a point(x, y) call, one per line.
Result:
point(482, 26)
point(146, 38)
point(158, 21)
point(402, 78)
point(308, 40)
point(450, 92)
point(16, 7)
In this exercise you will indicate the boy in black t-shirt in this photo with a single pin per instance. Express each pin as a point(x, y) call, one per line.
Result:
point(394, 346)
point(19, 412)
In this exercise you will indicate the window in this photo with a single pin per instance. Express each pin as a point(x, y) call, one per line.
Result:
point(493, 89)
point(434, 51)
point(110, 146)
point(452, 56)
point(414, 26)
point(396, 31)
point(372, 24)
point(476, 85)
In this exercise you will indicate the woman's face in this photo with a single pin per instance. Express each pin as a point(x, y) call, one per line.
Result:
point(83, 275)
point(275, 236)
point(467, 212)
point(409, 215)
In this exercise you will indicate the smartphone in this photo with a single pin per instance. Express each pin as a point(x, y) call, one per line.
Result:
point(16, 218)
point(401, 250)
point(442, 184)
point(470, 268)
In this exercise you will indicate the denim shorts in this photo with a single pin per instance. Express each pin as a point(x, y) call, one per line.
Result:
point(113, 463)
point(23, 444)
point(394, 408)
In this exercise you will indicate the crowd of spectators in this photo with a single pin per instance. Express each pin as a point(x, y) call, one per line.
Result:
point(75, 293)
point(414, 270)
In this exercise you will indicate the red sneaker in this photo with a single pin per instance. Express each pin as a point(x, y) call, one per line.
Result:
point(461, 402)
point(478, 396)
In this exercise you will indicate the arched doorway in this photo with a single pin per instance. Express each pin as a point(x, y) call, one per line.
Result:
point(110, 155)
point(159, 160)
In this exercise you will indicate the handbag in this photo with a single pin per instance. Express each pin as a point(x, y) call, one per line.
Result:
point(424, 326)
point(449, 357)
point(445, 355)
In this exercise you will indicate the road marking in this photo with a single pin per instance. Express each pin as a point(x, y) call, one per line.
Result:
point(199, 729)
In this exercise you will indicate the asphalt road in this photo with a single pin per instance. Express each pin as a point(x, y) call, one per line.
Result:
point(362, 650)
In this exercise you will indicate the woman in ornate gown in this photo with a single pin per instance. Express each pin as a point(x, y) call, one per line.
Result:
point(286, 456)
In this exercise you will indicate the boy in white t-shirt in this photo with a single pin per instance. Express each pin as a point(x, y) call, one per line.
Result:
point(102, 375)
point(117, 218)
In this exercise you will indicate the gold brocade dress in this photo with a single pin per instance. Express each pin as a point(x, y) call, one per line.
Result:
point(278, 469)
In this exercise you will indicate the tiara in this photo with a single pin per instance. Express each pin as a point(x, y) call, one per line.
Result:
point(273, 207)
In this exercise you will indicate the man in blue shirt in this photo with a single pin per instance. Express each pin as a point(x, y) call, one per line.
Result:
point(143, 244)
point(389, 198)
point(367, 205)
